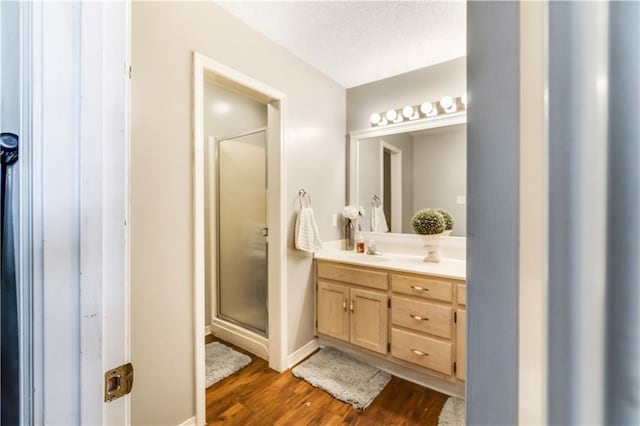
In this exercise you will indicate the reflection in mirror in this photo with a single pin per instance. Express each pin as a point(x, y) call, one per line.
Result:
point(403, 173)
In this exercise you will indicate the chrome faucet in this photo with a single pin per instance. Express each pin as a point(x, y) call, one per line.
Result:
point(372, 249)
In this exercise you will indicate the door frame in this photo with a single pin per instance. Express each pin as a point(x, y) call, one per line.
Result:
point(89, 222)
point(276, 218)
point(396, 184)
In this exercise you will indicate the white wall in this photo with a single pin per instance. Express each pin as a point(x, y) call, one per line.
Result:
point(163, 39)
point(440, 173)
point(225, 114)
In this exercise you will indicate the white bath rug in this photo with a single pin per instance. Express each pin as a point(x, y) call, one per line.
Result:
point(222, 361)
point(453, 413)
point(343, 377)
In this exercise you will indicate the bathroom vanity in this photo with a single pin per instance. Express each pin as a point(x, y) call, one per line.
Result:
point(395, 307)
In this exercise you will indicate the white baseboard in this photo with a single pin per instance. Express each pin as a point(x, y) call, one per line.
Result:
point(245, 339)
point(302, 353)
point(408, 374)
point(189, 422)
point(207, 330)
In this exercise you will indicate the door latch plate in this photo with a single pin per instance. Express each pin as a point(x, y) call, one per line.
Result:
point(118, 382)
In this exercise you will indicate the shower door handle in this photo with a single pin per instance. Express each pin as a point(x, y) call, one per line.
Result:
point(9, 343)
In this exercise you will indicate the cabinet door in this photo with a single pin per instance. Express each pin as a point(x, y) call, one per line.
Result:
point(369, 320)
point(333, 313)
point(461, 344)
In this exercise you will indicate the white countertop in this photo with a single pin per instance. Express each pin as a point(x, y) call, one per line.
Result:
point(447, 268)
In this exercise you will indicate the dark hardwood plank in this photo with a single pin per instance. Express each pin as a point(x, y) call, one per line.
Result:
point(257, 395)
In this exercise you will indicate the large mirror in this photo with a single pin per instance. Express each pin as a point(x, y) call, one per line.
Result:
point(399, 170)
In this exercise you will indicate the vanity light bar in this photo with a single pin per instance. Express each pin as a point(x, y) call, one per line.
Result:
point(446, 105)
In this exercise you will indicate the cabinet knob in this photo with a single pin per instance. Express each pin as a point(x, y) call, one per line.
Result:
point(344, 305)
point(351, 306)
point(419, 353)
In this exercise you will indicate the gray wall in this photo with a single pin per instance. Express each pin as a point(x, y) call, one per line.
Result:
point(412, 88)
point(162, 185)
point(244, 115)
point(440, 173)
point(492, 211)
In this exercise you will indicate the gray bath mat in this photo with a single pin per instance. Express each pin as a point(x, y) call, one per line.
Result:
point(343, 377)
point(222, 361)
point(453, 413)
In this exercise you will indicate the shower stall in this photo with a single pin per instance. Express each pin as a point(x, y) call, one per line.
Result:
point(241, 230)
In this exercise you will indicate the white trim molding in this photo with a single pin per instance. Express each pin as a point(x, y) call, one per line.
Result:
point(205, 68)
point(189, 422)
point(303, 352)
point(241, 337)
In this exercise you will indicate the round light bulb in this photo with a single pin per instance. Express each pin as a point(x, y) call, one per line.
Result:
point(375, 118)
point(391, 114)
point(426, 108)
point(407, 111)
point(463, 99)
point(446, 102)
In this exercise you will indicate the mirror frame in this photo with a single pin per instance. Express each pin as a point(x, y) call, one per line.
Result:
point(439, 121)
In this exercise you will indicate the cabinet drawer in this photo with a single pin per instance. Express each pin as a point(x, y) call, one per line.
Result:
point(352, 275)
point(422, 287)
point(461, 292)
point(421, 350)
point(422, 316)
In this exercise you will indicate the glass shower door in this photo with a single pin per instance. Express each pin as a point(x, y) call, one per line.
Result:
point(242, 231)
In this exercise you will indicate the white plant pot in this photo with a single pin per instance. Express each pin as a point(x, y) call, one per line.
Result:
point(447, 232)
point(432, 246)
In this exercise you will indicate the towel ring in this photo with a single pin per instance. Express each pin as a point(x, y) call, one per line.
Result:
point(305, 198)
point(376, 201)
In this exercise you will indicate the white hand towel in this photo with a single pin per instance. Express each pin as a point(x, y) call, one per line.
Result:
point(378, 220)
point(307, 237)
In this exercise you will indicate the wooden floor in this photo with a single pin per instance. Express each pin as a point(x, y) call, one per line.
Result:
point(257, 395)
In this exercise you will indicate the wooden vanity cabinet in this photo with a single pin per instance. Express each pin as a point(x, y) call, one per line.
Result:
point(415, 320)
point(353, 314)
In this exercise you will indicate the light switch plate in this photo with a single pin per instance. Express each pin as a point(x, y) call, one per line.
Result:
point(461, 199)
point(334, 220)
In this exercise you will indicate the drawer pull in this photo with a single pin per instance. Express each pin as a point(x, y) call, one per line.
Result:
point(344, 305)
point(417, 288)
point(418, 318)
point(420, 353)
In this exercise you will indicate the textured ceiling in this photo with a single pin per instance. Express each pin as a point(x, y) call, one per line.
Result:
point(359, 42)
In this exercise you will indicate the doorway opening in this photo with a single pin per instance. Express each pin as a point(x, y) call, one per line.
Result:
point(391, 185)
point(239, 222)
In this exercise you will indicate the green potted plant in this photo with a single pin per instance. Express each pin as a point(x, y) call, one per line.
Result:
point(429, 224)
point(448, 221)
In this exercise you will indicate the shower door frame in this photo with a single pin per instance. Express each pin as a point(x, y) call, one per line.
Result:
point(215, 297)
point(276, 217)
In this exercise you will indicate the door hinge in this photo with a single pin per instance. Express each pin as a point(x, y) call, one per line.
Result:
point(388, 347)
point(389, 303)
point(118, 382)
point(455, 367)
point(455, 317)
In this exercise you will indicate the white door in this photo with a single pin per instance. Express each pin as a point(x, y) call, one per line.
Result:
point(74, 196)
